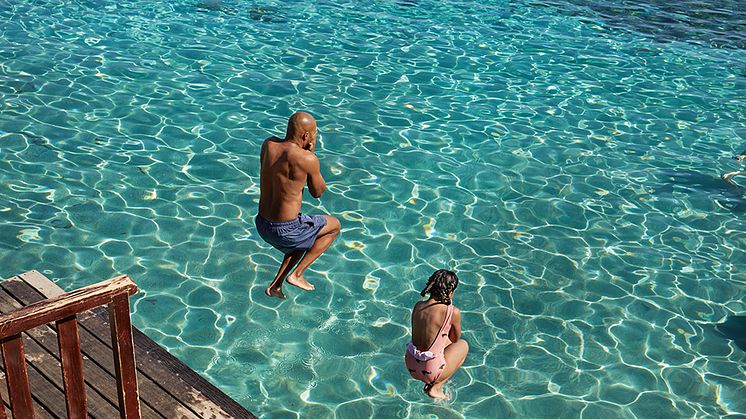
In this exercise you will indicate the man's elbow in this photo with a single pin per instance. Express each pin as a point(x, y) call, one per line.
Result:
point(316, 193)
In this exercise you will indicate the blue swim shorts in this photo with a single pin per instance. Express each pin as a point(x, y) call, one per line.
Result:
point(289, 236)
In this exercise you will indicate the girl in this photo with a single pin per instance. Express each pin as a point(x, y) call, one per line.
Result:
point(436, 350)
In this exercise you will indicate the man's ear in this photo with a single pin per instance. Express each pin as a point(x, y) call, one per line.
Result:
point(306, 139)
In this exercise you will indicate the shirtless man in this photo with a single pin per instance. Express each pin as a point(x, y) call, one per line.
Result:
point(287, 165)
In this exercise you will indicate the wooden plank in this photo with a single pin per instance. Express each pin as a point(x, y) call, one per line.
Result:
point(183, 389)
point(44, 352)
point(39, 410)
point(124, 357)
point(5, 405)
point(3, 414)
point(41, 283)
point(98, 362)
point(64, 305)
point(72, 367)
point(17, 376)
point(166, 383)
point(48, 400)
point(46, 394)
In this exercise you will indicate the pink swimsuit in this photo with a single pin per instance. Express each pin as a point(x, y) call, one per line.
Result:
point(427, 365)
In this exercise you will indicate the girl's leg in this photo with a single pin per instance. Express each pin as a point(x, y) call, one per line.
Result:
point(455, 354)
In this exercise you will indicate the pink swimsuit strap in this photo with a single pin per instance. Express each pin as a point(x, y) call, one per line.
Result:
point(442, 340)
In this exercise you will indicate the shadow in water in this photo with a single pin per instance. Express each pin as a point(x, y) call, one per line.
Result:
point(214, 6)
point(728, 195)
point(266, 14)
point(721, 24)
point(734, 328)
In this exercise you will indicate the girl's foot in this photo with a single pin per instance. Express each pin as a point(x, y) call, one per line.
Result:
point(436, 392)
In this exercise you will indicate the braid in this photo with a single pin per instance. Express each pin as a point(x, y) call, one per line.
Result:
point(440, 285)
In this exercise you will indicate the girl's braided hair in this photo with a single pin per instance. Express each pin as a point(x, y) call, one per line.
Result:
point(440, 285)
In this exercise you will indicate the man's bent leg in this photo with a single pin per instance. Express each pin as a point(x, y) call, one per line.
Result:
point(288, 262)
point(324, 239)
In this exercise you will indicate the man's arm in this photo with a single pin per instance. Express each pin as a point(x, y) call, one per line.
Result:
point(315, 182)
point(263, 152)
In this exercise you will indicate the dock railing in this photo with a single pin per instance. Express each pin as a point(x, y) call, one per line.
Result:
point(63, 310)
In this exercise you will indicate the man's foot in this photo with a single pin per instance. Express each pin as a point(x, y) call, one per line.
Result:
point(436, 392)
point(275, 292)
point(299, 282)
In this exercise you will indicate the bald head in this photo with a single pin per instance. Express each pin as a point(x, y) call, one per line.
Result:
point(300, 124)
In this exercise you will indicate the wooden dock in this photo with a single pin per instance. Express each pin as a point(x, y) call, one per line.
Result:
point(167, 387)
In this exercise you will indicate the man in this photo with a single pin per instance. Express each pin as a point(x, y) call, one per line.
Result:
point(739, 158)
point(287, 165)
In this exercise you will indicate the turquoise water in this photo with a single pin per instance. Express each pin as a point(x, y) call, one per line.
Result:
point(562, 157)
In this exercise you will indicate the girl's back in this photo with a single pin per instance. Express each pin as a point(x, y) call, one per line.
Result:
point(427, 319)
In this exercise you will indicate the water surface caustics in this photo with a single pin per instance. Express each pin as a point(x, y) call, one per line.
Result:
point(562, 157)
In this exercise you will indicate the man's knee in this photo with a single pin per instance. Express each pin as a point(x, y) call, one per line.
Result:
point(334, 224)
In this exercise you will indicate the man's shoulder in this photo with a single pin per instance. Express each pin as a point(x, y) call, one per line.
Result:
point(272, 139)
point(275, 145)
point(306, 158)
point(297, 154)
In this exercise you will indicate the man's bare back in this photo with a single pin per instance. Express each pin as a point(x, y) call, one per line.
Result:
point(285, 169)
point(287, 166)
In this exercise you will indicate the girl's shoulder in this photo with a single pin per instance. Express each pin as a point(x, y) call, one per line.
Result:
point(425, 305)
point(418, 305)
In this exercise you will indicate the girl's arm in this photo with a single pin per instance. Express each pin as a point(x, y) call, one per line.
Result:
point(455, 333)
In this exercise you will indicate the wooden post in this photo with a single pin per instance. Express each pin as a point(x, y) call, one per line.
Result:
point(72, 367)
point(3, 414)
point(16, 374)
point(124, 357)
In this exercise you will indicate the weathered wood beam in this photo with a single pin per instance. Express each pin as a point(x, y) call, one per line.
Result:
point(3, 414)
point(43, 394)
point(124, 357)
point(72, 367)
point(17, 376)
point(65, 305)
